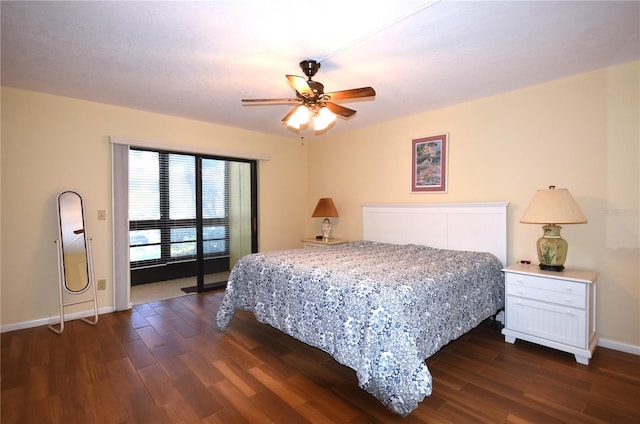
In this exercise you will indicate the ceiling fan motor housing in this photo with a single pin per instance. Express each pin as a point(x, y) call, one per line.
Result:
point(309, 67)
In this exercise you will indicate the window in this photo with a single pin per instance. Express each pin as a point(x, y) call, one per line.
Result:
point(164, 216)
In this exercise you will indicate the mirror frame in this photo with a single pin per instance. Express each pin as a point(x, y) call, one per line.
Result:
point(70, 227)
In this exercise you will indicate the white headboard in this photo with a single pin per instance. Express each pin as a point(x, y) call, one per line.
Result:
point(458, 226)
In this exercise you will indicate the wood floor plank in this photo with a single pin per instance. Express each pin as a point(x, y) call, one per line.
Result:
point(237, 353)
point(165, 311)
point(207, 346)
point(271, 380)
point(274, 362)
point(146, 310)
point(277, 409)
point(176, 414)
point(150, 337)
point(196, 398)
point(38, 383)
point(75, 403)
point(138, 353)
point(331, 405)
point(201, 368)
point(225, 416)
point(107, 406)
point(14, 404)
point(158, 384)
point(492, 387)
point(160, 324)
point(141, 409)
point(241, 403)
point(167, 362)
point(238, 377)
point(124, 377)
point(607, 414)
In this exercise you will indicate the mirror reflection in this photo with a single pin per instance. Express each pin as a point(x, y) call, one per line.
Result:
point(73, 240)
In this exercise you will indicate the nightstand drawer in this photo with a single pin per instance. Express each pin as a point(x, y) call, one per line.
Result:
point(551, 296)
point(550, 322)
point(550, 284)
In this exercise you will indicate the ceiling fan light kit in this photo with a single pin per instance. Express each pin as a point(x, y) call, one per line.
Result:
point(313, 101)
point(322, 117)
point(299, 118)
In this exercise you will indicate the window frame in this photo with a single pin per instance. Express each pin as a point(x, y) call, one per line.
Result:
point(166, 266)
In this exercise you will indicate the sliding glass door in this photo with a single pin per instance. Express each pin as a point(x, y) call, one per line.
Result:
point(189, 215)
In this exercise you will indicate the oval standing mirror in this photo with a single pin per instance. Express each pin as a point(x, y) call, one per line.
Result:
point(73, 242)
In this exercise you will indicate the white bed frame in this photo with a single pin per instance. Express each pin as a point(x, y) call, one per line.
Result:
point(458, 226)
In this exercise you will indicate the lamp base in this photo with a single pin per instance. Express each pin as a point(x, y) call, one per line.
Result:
point(552, 249)
point(556, 268)
point(326, 228)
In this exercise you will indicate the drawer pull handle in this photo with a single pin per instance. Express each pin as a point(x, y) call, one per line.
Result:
point(568, 300)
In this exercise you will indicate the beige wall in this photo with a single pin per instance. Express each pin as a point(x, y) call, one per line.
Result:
point(581, 133)
point(52, 143)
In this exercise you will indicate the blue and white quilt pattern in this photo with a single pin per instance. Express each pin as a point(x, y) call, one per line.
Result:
point(380, 309)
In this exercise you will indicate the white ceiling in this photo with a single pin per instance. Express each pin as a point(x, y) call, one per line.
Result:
point(198, 59)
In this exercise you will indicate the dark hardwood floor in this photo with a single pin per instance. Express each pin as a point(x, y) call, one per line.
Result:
point(167, 362)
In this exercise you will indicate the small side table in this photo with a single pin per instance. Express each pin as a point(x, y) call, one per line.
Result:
point(553, 309)
point(312, 242)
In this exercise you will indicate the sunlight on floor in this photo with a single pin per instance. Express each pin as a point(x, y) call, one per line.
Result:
point(145, 293)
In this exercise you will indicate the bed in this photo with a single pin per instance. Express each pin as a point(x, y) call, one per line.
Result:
point(422, 276)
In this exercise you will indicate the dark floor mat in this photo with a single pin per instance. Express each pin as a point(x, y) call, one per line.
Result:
point(207, 287)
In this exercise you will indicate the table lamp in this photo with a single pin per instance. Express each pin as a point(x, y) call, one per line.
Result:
point(325, 208)
point(550, 207)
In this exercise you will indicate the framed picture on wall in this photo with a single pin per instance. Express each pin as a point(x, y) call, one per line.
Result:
point(429, 164)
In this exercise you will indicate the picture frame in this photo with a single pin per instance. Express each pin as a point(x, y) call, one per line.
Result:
point(429, 164)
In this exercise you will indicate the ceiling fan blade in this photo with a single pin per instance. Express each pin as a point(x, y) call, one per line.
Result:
point(287, 100)
point(353, 93)
point(340, 110)
point(300, 85)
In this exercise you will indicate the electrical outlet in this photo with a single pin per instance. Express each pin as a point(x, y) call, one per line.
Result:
point(102, 284)
point(102, 215)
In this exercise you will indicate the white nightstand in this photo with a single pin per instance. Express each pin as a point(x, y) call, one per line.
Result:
point(554, 309)
point(312, 242)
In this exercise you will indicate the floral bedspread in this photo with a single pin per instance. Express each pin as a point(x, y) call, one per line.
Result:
point(380, 309)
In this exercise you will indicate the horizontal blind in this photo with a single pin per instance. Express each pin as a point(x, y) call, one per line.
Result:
point(144, 207)
point(180, 207)
point(215, 206)
point(162, 207)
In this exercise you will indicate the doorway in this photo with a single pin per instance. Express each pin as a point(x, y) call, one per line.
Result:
point(181, 216)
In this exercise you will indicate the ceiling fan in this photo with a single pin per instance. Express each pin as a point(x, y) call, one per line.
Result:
point(313, 101)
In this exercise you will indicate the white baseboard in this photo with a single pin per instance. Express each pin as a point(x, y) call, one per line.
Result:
point(53, 320)
point(622, 347)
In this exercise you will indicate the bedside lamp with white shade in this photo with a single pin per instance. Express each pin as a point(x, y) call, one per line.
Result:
point(327, 209)
point(550, 207)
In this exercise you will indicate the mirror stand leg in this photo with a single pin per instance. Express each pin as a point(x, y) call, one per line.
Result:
point(52, 327)
point(59, 330)
point(95, 309)
point(92, 281)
